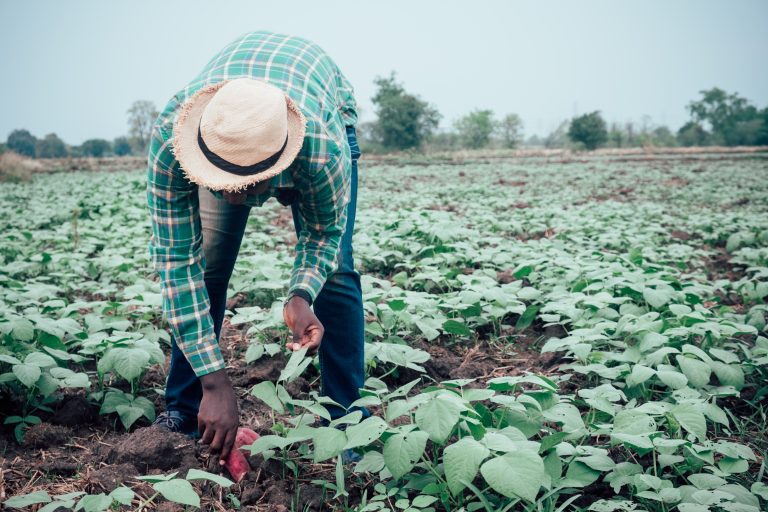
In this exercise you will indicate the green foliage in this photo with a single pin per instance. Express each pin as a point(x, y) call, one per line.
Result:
point(22, 142)
point(404, 120)
point(51, 147)
point(475, 129)
point(659, 350)
point(732, 119)
point(510, 131)
point(589, 130)
point(692, 134)
point(121, 146)
point(95, 147)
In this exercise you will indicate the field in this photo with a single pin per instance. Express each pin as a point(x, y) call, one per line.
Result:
point(545, 333)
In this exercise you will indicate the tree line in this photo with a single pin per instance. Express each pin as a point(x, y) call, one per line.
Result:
point(405, 121)
point(141, 115)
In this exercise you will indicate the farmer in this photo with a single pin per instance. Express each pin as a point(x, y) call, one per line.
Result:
point(271, 115)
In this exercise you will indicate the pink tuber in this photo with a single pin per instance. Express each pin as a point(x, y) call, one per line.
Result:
point(236, 463)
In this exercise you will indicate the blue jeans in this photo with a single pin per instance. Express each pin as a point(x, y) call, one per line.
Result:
point(339, 306)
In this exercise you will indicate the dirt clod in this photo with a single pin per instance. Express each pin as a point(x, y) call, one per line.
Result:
point(154, 448)
point(108, 478)
point(74, 411)
point(45, 435)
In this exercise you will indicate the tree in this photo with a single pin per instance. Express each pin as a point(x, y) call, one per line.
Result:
point(141, 117)
point(589, 130)
point(121, 146)
point(475, 129)
point(732, 119)
point(51, 147)
point(22, 142)
point(404, 121)
point(511, 131)
point(692, 134)
point(95, 147)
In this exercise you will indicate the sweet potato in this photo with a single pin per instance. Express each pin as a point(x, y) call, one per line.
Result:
point(236, 463)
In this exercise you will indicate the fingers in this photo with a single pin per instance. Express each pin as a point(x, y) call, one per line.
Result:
point(313, 337)
point(229, 442)
point(218, 441)
point(295, 343)
point(207, 433)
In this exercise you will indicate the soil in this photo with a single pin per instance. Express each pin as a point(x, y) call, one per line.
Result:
point(154, 448)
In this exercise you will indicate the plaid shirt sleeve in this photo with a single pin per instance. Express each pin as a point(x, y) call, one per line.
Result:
point(177, 255)
point(323, 210)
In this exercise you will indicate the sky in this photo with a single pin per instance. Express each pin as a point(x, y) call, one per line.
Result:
point(74, 67)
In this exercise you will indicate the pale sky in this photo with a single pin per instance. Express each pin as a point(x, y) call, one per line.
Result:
point(74, 67)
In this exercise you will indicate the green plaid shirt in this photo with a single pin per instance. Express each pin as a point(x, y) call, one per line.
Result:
point(320, 175)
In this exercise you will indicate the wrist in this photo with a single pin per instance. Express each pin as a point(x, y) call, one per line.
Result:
point(215, 380)
point(299, 295)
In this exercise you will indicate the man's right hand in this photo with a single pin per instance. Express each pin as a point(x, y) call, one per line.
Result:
point(218, 417)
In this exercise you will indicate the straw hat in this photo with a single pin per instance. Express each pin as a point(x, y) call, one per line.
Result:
point(235, 133)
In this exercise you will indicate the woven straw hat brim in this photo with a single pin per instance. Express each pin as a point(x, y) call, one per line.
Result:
point(201, 171)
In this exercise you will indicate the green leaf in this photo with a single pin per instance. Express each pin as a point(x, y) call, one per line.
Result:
point(22, 329)
point(94, 503)
point(691, 419)
point(457, 328)
point(515, 474)
point(697, 372)
point(657, 297)
point(527, 318)
point(130, 362)
point(197, 474)
point(27, 373)
point(365, 432)
point(129, 414)
point(340, 480)
point(402, 451)
point(728, 374)
point(461, 460)
point(438, 416)
point(122, 495)
point(706, 481)
point(328, 442)
point(639, 375)
point(254, 352)
point(178, 491)
point(26, 500)
point(267, 393)
point(9, 359)
point(372, 462)
point(579, 474)
point(295, 366)
point(40, 359)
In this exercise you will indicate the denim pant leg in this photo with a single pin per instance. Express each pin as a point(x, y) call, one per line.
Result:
point(223, 225)
point(339, 307)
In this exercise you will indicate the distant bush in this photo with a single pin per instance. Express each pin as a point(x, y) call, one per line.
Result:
point(95, 147)
point(121, 146)
point(14, 167)
point(589, 130)
point(51, 147)
point(22, 142)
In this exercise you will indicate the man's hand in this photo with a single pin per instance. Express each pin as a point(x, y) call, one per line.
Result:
point(218, 417)
point(306, 328)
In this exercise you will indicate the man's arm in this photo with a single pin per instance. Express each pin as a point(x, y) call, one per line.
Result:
point(177, 256)
point(323, 210)
point(176, 252)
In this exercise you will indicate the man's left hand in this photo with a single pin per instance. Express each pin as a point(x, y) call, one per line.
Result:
point(306, 328)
